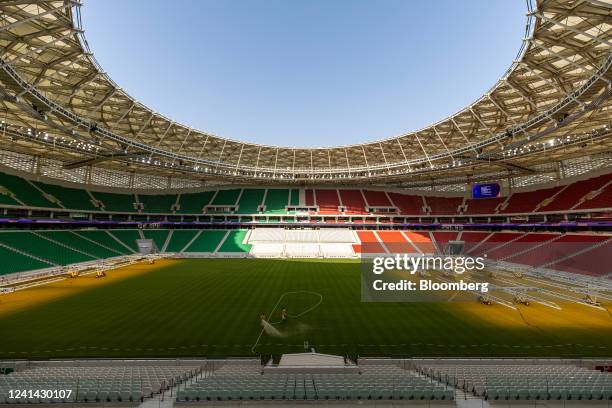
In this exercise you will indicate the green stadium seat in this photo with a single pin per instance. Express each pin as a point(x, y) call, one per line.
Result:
point(31, 243)
point(116, 202)
point(179, 239)
point(276, 201)
point(6, 197)
point(13, 262)
point(25, 192)
point(128, 237)
point(72, 198)
point(103, 238)
point(207, 241)
point(158, 236)
point(74, 241)
point(234, 242)
point(193, 203)
point(250, 200)
point(226, 197)
point(157, 203)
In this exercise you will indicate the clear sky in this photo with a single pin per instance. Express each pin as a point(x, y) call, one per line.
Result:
point(305, 72)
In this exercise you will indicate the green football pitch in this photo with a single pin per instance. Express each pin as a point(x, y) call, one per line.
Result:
point(212, 307)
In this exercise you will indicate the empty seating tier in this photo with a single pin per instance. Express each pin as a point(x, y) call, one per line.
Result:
point(158, 237)
point(180, 239)
point(444, 205)
point(600, 199)
point(157, 203)
point(483, 205)
point(353, 201)
point(72, 198)
point(443, 238)
point(573, 193)
point(13, 261)
point(377, 198)
point(328, 201)
point(73, 240)
point(277, 201)
point(226, 197)
point(502, 381)
point(236, 382)
point(422, 241)
point(396, 242)
point(528, 201)
point(408, 204)
point(24, 191)
point(493, 242)
point(593, 261)
point(194, 203)
point(235, 242)
point(369, 243)
point(104, 384)
point(309, 197)
point(295, 197)
point(116, 202)
point(105, 239)
point(471, 239)
point(31, 243)
point(128, 237)
point(250, 201)
point(206, 242)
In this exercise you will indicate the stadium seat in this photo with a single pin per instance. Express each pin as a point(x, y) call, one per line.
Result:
point(157, 203)
point(25, 191)
point(73, 198)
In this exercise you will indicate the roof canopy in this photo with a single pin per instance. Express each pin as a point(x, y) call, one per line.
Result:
point(552, 104)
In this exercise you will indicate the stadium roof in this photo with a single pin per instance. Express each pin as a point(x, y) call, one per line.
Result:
point(552, 104)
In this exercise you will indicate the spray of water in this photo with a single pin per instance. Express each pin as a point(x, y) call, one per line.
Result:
point(271, 330)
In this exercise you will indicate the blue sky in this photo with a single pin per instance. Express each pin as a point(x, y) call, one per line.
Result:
point(305, 73)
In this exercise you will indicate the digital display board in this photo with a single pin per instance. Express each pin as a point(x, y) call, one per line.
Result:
point(489, 190)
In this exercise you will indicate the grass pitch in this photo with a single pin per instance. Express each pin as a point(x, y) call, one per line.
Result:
point(211, 307)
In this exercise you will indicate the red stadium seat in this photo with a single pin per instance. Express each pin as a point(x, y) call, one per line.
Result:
point(444, 205)
point(353, 201)
point(573, 193)
point(528, 201)
point(483, 205)
point(377, 198)
point(408, 204)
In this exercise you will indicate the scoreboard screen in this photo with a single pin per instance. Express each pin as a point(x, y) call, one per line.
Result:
point(485, 190)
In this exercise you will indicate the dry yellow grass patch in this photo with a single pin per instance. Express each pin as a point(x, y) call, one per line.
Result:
point(38, 295)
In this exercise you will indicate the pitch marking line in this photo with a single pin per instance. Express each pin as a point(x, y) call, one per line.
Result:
point(310, 309)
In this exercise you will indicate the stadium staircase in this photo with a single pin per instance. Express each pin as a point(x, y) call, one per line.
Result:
point(601, 198)
point(503, 244)
point(181, 239)
point(68, 197)
point(596, 254)
point(127, 238)
point(77, 243)
point(159, 236)
point(572, 194)
point(102, 239)
point(518, 257)
point(70, 252)
point(167, 241)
